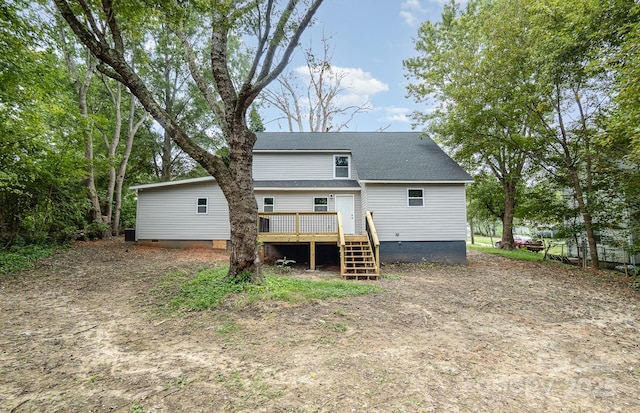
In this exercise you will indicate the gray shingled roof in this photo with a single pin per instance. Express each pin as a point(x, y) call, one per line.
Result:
point(377, 156)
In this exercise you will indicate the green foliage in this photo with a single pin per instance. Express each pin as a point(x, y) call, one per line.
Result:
point(626, 116)
point(210, 288)
point(256, 124)
point(22, 257)
point(128, 211)
point(470, 67)
point(40, 157)
point(542, 94)
point(486, 198)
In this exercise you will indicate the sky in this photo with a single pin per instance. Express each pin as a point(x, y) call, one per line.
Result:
point(370, 39)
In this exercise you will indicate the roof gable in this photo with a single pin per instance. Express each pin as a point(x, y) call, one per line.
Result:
point(377, 156)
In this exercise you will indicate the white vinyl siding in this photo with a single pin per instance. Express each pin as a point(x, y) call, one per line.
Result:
point(442, 218)
point(295, 166)
point(170, 213)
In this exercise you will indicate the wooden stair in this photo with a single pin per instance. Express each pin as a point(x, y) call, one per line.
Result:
point(359, 262)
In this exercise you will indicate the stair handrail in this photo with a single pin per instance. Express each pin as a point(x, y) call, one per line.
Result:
point(373, 238)
point(341, 242)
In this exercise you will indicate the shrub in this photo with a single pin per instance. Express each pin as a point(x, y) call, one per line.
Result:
point(22, 257)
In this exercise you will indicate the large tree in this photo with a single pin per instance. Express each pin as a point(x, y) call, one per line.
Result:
point(571, 41)
point(470, 64)
point(522, 83)
point(106, 110)
point(277, 29)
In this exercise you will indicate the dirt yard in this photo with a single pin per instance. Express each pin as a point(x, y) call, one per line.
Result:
point(82, 333)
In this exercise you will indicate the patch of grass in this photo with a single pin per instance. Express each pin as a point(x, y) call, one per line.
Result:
point(210, 289)
point(227, 328)
point(340, 312)
point(558, 247)
point(481, 239)
point(518, 254)
point(338, 327)
point(296, 290)
point(23, 257)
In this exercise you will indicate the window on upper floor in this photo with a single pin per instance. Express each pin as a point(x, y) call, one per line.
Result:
point(202, 206)
point(320, 204)
point(341, 166)
point(268, 204)
point(415, 197)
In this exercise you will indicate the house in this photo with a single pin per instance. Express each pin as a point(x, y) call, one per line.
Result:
point(369, 197)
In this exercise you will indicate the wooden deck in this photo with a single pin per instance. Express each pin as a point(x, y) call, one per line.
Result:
point(298, 226)
point(359, 255)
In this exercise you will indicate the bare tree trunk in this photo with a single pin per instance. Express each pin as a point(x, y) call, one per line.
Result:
point(571, 164)
point(112, 146)
point(243, 208)
point(586, 217)
point(165, 172)
point(81, 86)
point(132, 129)
point(168, 100)
point(89, 181)
point(507, 217)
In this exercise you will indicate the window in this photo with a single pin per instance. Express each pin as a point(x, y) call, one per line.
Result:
point(202, 206)
point(341, 167)
point(320, 204)
point(267, 204)
point(415, 197)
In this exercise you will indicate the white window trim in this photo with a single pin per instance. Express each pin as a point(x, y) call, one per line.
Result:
point(206, 206)
point(273, 205)
point(313, 201)
point(422, 198)
point(348, 166)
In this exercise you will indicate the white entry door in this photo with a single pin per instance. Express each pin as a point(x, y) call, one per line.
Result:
point(344, 205)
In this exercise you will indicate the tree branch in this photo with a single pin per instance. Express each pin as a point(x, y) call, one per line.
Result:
point(201, 84)
point(266, 74)
point(116, 33)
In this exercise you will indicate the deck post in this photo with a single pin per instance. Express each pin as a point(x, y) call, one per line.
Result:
point(312, 255)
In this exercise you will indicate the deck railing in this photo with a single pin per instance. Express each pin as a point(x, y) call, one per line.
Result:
point(341, 243)
point(373, 237)
point(298, 226)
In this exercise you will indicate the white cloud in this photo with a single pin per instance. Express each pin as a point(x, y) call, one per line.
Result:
point(356, 84)
point(412, 5)
point(396, 114)
point(412, 12)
